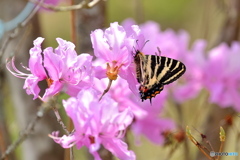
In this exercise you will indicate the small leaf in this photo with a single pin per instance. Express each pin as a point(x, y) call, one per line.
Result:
point(222, 134)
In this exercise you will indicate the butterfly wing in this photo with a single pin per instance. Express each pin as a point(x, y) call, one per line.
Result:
point(169, 70)
point(153, 72)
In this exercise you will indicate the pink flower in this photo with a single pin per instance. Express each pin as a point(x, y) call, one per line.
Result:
point(151, 125)
point(122, 95)
point(192, 80)
point(96, 122)
point(146, 115)
point(114, 47)
point(110, 46)
point(222, 75)
point(62, 68)
point(147, 121)
point(172, 44)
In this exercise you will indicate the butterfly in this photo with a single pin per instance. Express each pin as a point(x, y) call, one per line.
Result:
point(153, 72)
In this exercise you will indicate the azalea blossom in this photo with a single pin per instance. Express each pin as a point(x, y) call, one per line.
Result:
point(122, 95)
point(110, 46)
point(147, 116)
point(115, 48)
point(96, 123)
point(192, 81)
point(151, 124)
point(222, 75)
point(153, 128)
point(172, 44)
point(62, 68)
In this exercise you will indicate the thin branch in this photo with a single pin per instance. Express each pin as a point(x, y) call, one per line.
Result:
point(30, 16)
point(237, 144)
point(15, 32)
point(43, 109)
point(220, 150)
point(59, 119)
point(202, 148)
point(81, 5)
point(204, 139)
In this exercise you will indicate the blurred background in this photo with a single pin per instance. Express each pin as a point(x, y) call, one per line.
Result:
point(216, 21)
point(202, 19)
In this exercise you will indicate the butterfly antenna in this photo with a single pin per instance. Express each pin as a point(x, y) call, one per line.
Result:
point(137, 45)
point(146, 42)
point(134, 49)
point(143, 44)
point(159, 51)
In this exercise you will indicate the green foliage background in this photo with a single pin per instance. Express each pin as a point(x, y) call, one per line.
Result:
point(201, 18)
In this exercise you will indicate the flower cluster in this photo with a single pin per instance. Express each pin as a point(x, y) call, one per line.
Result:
point(105, 122)
point(221, 75)
point(96, 123)
point(215, 70)
point(62, 69)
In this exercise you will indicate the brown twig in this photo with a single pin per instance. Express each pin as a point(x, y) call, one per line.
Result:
point(43, 109)
point(204, 139)
point(83, 4)
point(220, 150)
point(202, 148)
point(59, 119)
point(179, 110)
point(237, 144)
point(222, 140)
point(15, 32)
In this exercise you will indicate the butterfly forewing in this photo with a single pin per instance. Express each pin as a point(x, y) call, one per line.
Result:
point(170, 70)
point(153, 72)
point(139, 60)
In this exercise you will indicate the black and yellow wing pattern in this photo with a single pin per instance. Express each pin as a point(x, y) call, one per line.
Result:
point(153, 72)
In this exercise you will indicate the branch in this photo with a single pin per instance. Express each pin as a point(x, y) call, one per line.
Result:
point(59, 119)
point(43, 109)
point(81, 5)
point(15, 32)
point(202, 148)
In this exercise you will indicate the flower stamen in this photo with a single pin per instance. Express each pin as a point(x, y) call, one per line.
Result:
point(112, 74)
point(49, 82)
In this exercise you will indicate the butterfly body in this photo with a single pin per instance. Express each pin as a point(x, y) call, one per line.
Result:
point(153, 72)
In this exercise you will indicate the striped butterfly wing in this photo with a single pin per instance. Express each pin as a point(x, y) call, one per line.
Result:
point(167, 69)
point(153, 72)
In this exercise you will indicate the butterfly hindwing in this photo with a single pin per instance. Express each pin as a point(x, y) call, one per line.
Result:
point(153, 72)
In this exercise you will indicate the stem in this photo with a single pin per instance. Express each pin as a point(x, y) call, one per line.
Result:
point(81, 5)
point(59, 119)
point(180, 118)
point(43, 109)
point(237, 144)
point(220, 149)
